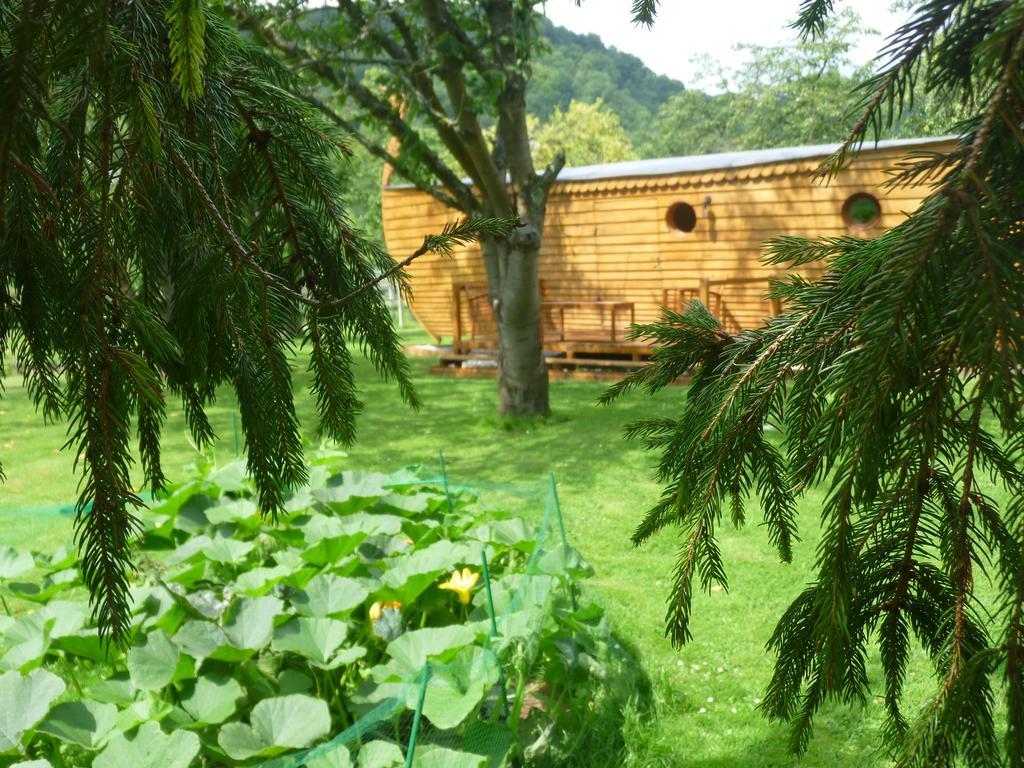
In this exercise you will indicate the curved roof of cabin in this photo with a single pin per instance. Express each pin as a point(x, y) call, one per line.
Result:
point(721, 161)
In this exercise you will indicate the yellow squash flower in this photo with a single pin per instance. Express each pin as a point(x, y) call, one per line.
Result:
point(377, 609)
point(462, 584)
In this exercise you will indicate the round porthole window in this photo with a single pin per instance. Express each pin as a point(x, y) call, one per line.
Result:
point(681, 217)
point(861, 211)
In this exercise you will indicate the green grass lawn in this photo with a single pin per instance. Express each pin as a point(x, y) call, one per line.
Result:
point(704, 711)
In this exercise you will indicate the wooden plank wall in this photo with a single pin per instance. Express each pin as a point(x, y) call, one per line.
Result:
point(609, 240)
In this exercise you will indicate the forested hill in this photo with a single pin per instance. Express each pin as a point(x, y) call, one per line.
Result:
point(582, 67)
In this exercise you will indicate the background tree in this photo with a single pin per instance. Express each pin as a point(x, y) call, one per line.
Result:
point(436, 75)
point(786, 95)
point(573, 67)
point(895, 381)
point(170, 221)
point(585, 134)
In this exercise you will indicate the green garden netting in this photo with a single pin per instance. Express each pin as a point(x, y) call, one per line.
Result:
point(513, 676)
point(421, 722)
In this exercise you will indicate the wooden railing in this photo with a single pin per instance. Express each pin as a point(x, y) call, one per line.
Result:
point(705, 286)
point(714, 295)
point(565, 325)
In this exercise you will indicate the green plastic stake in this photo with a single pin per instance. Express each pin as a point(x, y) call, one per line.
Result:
point(553, 499)
point(444, 478)
point(494, 632)
point(234, 430)
point(414, 734)
point(553, 495)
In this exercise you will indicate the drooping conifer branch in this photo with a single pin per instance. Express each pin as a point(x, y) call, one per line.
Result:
point(171, 222)
point(895, 382)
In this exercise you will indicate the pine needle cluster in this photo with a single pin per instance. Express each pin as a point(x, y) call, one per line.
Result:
point(897, 382)
point(171, 222)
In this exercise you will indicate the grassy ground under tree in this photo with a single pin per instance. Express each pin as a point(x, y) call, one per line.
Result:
point(704, 709)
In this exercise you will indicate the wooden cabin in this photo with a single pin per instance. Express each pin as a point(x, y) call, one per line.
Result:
point(624, 239)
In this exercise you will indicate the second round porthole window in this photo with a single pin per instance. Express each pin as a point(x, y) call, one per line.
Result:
point(682, 217)
point(861, 211)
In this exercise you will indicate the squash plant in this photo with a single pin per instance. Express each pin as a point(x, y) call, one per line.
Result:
point(254, 640)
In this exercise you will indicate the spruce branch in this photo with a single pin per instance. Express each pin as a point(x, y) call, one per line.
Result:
point(894, 382)
point(150, 253)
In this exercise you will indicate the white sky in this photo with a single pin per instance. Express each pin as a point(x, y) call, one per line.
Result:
point(685, 28)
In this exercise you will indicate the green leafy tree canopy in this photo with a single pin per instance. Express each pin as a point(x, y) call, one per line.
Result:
point(787, 95)
point(585, 134)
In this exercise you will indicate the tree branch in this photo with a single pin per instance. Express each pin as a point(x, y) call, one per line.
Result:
point(378, 108)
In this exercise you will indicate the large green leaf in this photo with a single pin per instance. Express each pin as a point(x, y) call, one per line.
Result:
point(380, 754)
point(153, 663)
point(351, 491)
point(116, 689)
point(68, 616)
point(412, 650)
point(206, 640)
point(190, 572)
point(276, 725)
point(563, 560)
point(293, 681)
point(242, 511)
point(456, 689)
point(411, 574)
point(314, 638)
point(331, 549)
point(250, 621)
point(146, 710)
point(227, 550)
point(14, 563)
point(24, 701)
point(85, 643)
point(149, 747)
point(431, 756)
point(191, 549)
point(408, 504)
point(34, 764)
point(333, 756)
point(511, 533)
point(231, 478)
point(27, 642)
point(213, 699)
point(50, 586)
point(316, 527)
point(63, 558)
point(259, 581)
point(329, 595)
point(85, 723)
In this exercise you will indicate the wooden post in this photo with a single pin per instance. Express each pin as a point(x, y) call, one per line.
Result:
point(704, 293)
point(456, 319)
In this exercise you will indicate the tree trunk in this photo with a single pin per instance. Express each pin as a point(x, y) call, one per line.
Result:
point(515, 301)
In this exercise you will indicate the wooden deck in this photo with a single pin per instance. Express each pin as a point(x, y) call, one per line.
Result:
point(582, 338)
point(479, 366)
